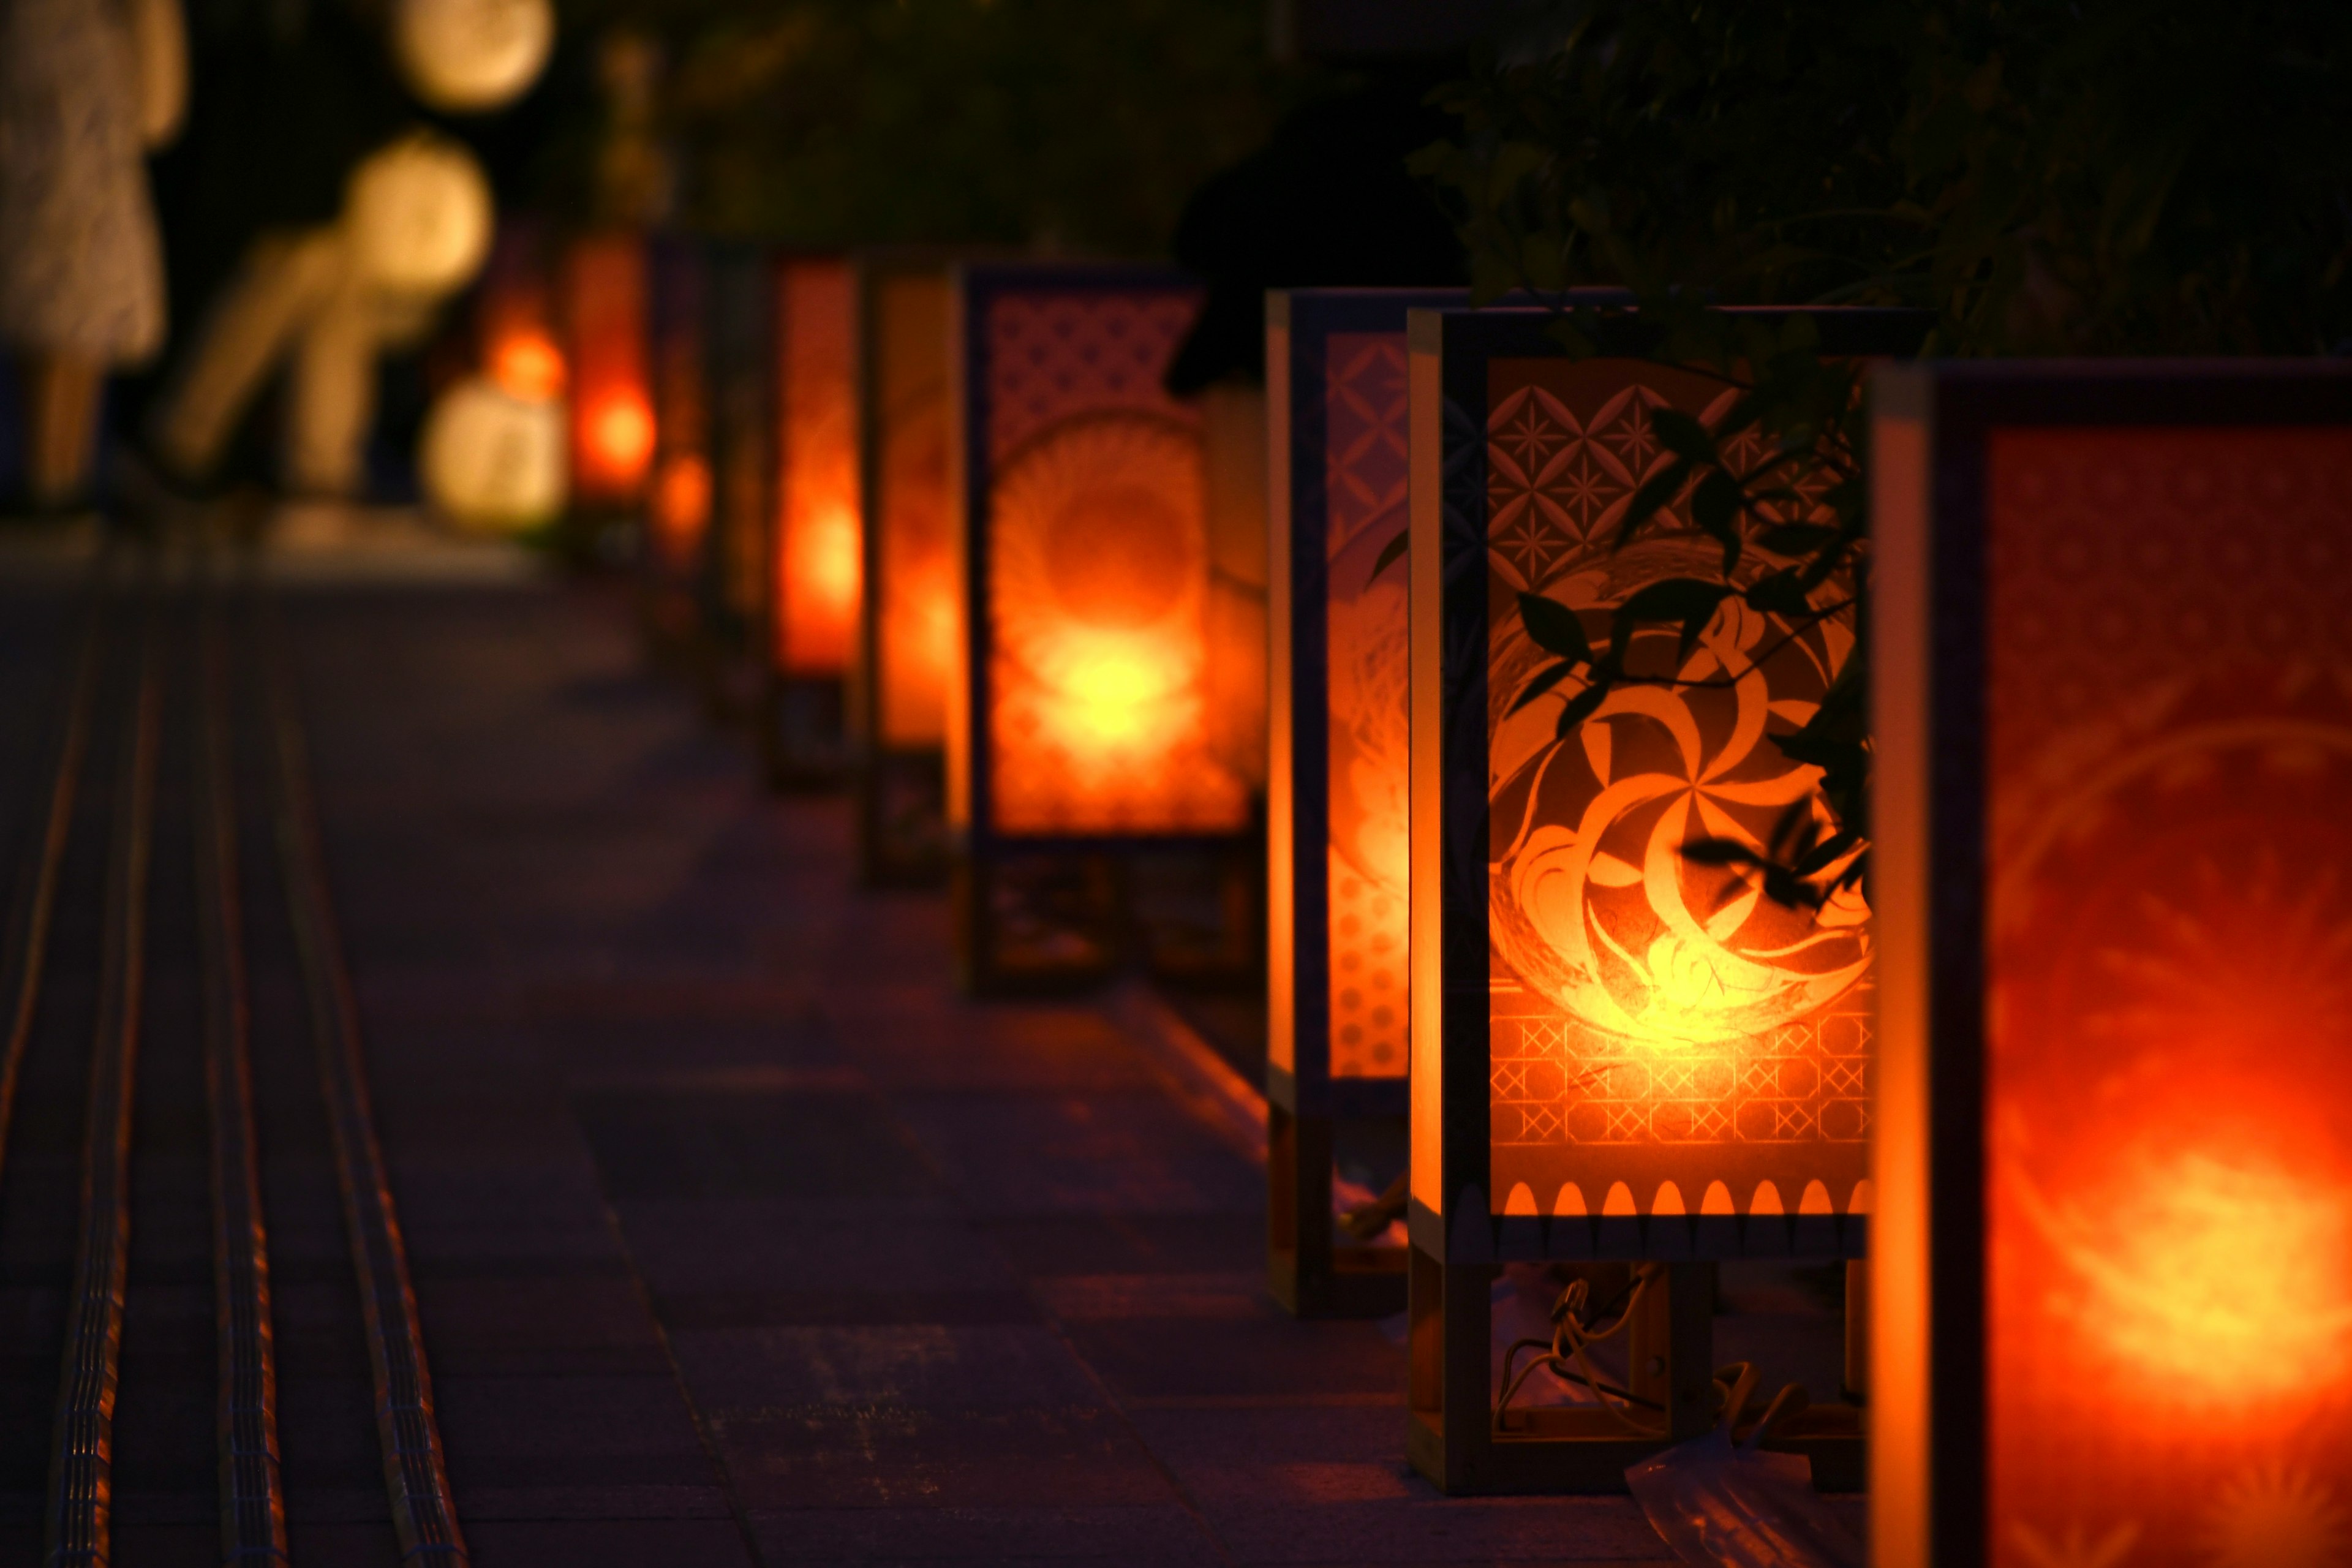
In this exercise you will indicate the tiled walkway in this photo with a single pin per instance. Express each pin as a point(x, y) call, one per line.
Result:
point(737, 1235)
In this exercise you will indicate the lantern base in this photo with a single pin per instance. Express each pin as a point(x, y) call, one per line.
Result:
point(1035, 923)
point(803, 745)
point(902, 834)
point(1453, 1438)
point(1309, 1272)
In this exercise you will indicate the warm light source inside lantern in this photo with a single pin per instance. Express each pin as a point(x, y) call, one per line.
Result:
point(2227, 1276)
point(621, 433)
point(682, 503)
point(527, 364)
point(819, 554)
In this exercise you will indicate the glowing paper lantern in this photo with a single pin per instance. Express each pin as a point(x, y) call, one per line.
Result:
point(815, 572)
point(1084, 705)
point(2113, 691)
point(468, 56)
point(909, 619)
point(1616, 1053)
point(602, 290)
point(493, 462)
point(418, 214)
point(677, 516)
point(1335, 809)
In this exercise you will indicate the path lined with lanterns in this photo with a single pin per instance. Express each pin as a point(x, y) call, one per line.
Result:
point(734, 1234)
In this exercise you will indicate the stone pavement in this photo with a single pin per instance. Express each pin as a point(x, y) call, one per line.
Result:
point(738, 1236)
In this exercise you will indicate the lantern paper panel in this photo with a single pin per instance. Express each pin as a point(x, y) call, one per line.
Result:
point(1674, 1061)
point(913, 560)
point(1335, 804)
point(678, 510)
point(817, 555)
point(2140, 1069)
point(604, 285)
point(909, 619)
point(514, 317)
point(1233, 474)
point(1090, 563)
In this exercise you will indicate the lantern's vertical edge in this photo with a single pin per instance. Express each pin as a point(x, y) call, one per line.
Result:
point(1902, 1526)
point(864, 716)
point(1284, 873)
point(1427, 1187)
point(967, 392)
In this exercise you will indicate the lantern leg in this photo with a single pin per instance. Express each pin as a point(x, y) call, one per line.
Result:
point(800, 732)
point(1309, 1272)
point(1038, 922)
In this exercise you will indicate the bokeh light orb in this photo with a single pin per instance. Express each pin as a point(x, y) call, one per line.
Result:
point(418, 214)
point(469, 56)
point(492, 461)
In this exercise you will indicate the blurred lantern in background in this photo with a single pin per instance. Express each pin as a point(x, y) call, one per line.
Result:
point(418, 215)
point(1618, 1052)
point(602, 289)
point(909, 619)
point(1336, 811)
point(1084, 720)
point(740, 358)
point(2113, 685)
point(815, 566)
point(465, 56)
point(677, 513)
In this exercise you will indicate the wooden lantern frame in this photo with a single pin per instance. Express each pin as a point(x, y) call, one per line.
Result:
point(1309, 1273)
point(739, 364)
point(1457, 1242)
point(802, 714)
point(673, 575)
point(1093, 870)
point(1932, 427)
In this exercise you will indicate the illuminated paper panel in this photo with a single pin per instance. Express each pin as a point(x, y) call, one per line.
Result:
point(816, 560)
point(679, 510)
point(2169, 1092)
point(603, 305)
point(1661, 1035)
point(1635, 1055)
point(1365, 865)
point(2114, 686)
point(1093, 567)
point(911, 557)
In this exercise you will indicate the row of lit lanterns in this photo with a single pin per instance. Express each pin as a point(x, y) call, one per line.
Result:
point(2076, 1083)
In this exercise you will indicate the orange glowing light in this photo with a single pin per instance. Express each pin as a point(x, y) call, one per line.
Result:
point(818, 557)
point(1098, 599)
point(682, 502)
point(601, 293)
point(527, 364)
point(621, 433)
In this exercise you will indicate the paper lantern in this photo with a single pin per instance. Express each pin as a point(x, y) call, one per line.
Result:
point(676, 562)
point(2113, 683)
point(815, 559)
point(1336, 806)
point(468, 56)
point(908, 619)
point(1085, 722)
point(603, 307)
point(493, 462)
point(418, 214)
point(1616, 1053)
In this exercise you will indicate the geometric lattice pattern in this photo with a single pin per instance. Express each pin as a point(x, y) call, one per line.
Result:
point(1556, 1081)
point(1364, 489)
point(1084, 351)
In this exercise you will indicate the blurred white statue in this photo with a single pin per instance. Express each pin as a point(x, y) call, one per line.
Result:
point(325, 303)
point(87, 87)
